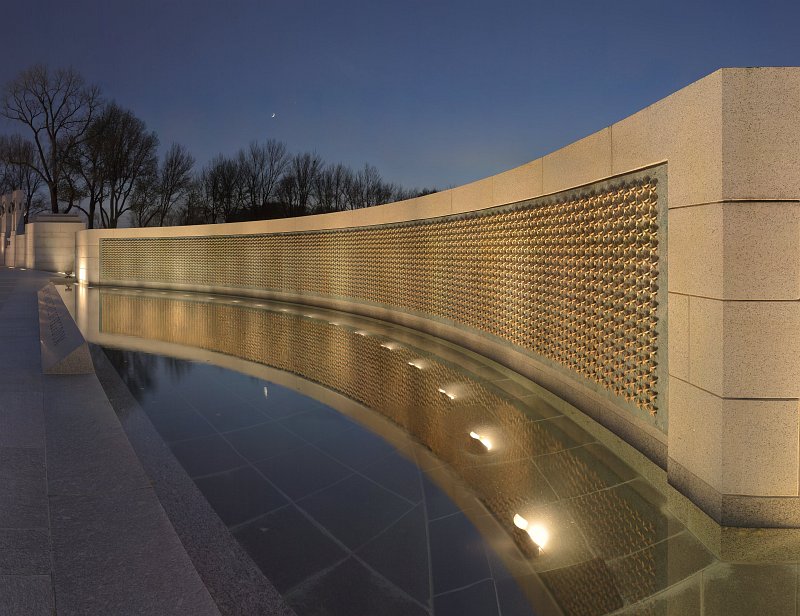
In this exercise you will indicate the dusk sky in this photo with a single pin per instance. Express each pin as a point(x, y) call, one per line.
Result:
point(432, 93)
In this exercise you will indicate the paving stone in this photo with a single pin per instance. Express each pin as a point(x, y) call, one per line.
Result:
point(302, 471)
point(21, 419)
point(458, 558)
point(91, 466)
point(263, 441)
point(116, 553)
point(24, 551)
point(476, 600)
point(206, 455)
point(23, 490)
point(355, 510)
point(288, 548)
point(349, 589)
point(28, 595)
point(240, 495)
point(400, 554)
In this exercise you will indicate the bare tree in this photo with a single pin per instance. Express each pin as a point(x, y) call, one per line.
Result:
point(330, 188)
point(158, 196)
point(84, 177)
point(175, 180)
point(221, 189)
point(194, 210)
point(128, 158)
point(297, 185)
point(367, 188)
point(401, 193)
point(17, 171)
point(261, 167)
point(57, 106)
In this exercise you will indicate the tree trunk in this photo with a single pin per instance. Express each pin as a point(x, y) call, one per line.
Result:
point(53, 198)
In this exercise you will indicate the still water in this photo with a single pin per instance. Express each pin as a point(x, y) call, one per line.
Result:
point(370, 469)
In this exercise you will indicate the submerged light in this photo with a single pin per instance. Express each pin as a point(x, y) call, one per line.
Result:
point(538, 533)
point(483, 440)
point(450, 395)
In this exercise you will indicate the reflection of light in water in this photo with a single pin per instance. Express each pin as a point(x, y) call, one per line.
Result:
point(416, 363)
point(538, 533)
point(266, 391)
point(450, 395)
point(482, 440)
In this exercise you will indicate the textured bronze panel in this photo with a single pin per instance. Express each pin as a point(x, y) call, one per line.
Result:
point(573, 278)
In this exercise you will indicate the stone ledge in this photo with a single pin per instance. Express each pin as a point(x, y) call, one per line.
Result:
point(64, 351)
point(735, 510)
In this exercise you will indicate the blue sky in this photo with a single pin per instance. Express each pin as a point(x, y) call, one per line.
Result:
point(432, 93)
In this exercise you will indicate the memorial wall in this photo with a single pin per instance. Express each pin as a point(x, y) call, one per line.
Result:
point(648, 274)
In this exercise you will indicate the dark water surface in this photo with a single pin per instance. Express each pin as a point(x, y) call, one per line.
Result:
point(368, 469)
point(333, 514)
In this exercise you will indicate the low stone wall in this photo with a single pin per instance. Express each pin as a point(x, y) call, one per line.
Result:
point(702, 379)
point(17, 251)
point(52, 242)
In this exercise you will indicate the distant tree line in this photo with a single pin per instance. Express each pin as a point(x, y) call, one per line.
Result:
point(79, 151)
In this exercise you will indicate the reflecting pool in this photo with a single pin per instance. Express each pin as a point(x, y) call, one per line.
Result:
point(370, 469)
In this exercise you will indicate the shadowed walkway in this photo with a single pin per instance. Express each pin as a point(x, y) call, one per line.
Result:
point(81, 529)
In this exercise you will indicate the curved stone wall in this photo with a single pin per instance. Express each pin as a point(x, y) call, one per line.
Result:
point(726, 366)
point(572, 278)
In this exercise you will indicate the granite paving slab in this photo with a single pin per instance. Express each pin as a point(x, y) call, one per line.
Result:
point(78, 519)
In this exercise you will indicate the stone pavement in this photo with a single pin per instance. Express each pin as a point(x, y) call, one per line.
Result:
point(81, 528)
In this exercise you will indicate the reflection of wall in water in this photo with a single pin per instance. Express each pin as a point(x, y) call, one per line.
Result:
point(573, 278)
point(382, 379)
